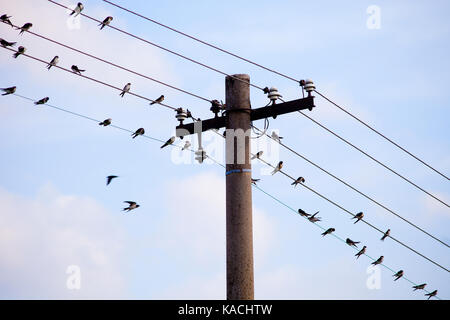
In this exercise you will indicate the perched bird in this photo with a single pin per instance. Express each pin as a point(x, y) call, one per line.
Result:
point(75, 69)
point(20, 50)
point(431, 294)
point(105, 22)
point(329, 231)
point(361, 252)
point(313, 218)
point(168, 142)
point(358, 216)
point(139, 132)
point(5, 43)
point(278, 167)
point(125, 89)
point(159, 100)
point(398, 275)
point(419, 286)
point(299, 180)
point(276, 137)
point(378, 261)
point(254, 181)
point(52, 63)
point(5, 19)
point(257, 155)
point(303, 213)
point(110, 178)
point(187, 144)
point(106, 122)
point(386, 234)
point(77, 9)
point(350, 242)
point(132, 205)
point(25, 27)
point(42, 101)
point(9, 90)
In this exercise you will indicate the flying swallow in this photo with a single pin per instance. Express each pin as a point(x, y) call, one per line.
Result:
point(257, 155)
point(42, 101)
point(168, 142)
point(303, 213)
point(278, 167)
point(299, 180)
point(125, 89)
point(106, 122)
point(358, 216)
point(5, 43)
point(110, 178)
point(52, 63)
point(350, 242)
point(105, 22)
point(139, 132)
point(75, 69)
point(254, 181)
point(329, 231)
point(187, 144)
point(398, 275)
point(77, 9)
point(419, 286)
point(431, 294)
point(379, 261)
point(276, 137)
point(132, 205)
point(313, 218)
point(5, 19)
point(361, 252)
point(9, 90)
point(25, 27)
point(386, 234)
point(159, 100)
point(20, 50)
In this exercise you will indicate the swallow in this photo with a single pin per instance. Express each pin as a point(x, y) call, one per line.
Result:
point(159, 100)
point(386, 234)
point(431, 294)
point(303, 213)
point(5, 19)
point(77, 9)
point(358, 216)
point(132, 205)
point(257, 155)
point(25, 27)
point(361, 252)
point(329, 231)
point(75, 69)
point(186, 146)
point(139, 132)
point(378, 261)
point(313, 218)
point(110, 178)
point(105, 122)
point(20, 50)
point(351, 242)
point(125, 89)
point(398, 275)
point(5, 43)
point(299, 180)
point(276, 137)
point(9, 90)
point(168, 142)
point(419, 286)
point(254, 181)
point(106, 22)
point(278, 167)
point(52, 63)
point(42, 101)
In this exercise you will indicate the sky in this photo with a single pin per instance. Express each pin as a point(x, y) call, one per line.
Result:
point(57, 214)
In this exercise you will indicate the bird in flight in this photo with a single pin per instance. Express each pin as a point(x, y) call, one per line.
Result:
point(77, 10)
point(313, 218)
point(159, 100)
point(297, 181)
point(106, 122)
point(254, 181)
point(138, 132)
point(278, 167)
point(361, 252)
point(5, 43)
point(350, 242)
point(53, 63)
point(132, 205)
point(431, 294)
point(109, 179)
point(106, 22)
point(20, 50)
point(358, 216)
point(77, 70)
point(5, 19)
point(125, 89)
point(168, 142)
point(329, 231)
point(257, 155)
point(24, 28)
point(378, 261)
point(303, 213)
point(187, 144)
point(398, 275)
point(42, 101)
point(276, 137)
point(419, 286)
point(9, 90)
point(386, 234)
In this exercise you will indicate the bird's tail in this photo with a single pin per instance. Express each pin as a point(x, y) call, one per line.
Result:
point(15, 55)
point(122, 94)
point(101, 124)
point(253, 157)
point(164, 145)
point(152, 103)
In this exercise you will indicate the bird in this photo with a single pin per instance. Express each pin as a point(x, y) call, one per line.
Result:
point(75, 69)
point(9, 90)
point(20, 50)
point(5, 19)
point(139, 132)
point(159, 100)
point(358, 216)
point(419, 286)
point(25, 27)
point(299, 180)
point(110, 178)
point(187, 144)
point(105, 122)
point(378, 261)
point(254, 181)
point(168, 142)
point(303, 213)
point(5, 43)
point(257, 155)
point(132, 205)
point(276, 137)
point(278, 167)
point(77, 9)
point(350, 242)
point(386, 234)
point(125, 89)
point(52, 63)
point(361, 252)
point(42, 101)
point(431, 294)
point(313, 218)
point(329, 231)
point(398, 275)
point(105, 22)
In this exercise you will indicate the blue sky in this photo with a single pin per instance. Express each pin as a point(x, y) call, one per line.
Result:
point(57, 212)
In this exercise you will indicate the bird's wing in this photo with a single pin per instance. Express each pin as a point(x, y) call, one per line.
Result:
point(130, 202)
